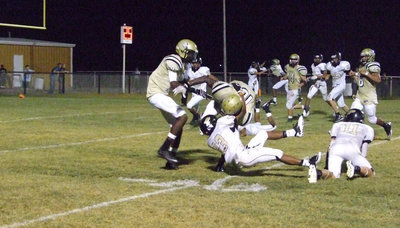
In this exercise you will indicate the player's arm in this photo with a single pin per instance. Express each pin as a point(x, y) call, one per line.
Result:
point(243, 110)
point(326, 74)
point(372, 76)
point(209, 79)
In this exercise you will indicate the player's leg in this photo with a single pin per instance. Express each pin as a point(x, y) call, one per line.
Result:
point(291, 97)
point(312, 91)
point(175, 116)
point(275, 88)
point(193, 106)
point(334, 94)
point(342, 104)
point(370, 112)
point(358, 164)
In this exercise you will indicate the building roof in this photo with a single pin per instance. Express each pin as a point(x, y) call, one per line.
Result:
point(30, 42)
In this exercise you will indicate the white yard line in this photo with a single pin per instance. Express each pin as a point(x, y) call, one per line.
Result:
point(63, 116)
point(100, 205)
point(81, 143)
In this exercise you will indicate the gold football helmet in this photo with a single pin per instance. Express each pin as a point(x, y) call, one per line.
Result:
point(294, 59)
point(275, 62)
point(187, 50)
point(231, 105)
point(369, 54)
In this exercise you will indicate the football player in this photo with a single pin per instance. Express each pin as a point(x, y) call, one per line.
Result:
point(318, 83)
point(221, 90)
point(296, 75)
point(349, 141)
point(225, 137)
point(253, 72)
point(196, 71)
point(337, 69)
point(167, 77)
point(278, 72)
point(367, 77)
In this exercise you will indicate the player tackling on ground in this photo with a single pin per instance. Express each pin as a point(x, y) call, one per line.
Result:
point(225, 137)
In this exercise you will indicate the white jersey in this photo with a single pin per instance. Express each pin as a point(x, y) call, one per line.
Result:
point(202, 71)
point(252, 73)
point(317, 70)
point(226, 138)
point(338, 72)
point(277, 70)
point(159, 81)
point(352, 134)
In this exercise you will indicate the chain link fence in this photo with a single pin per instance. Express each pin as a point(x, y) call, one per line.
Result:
point(109, 82)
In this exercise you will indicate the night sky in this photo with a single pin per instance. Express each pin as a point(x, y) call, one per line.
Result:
point(256, 30)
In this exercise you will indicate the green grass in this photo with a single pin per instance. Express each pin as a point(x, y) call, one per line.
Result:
point(61, 153)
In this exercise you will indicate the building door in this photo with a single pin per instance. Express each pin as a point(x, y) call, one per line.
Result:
point(18, 67)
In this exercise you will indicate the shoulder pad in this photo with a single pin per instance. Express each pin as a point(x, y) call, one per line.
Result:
point(173, 63)
point(204, 71)
point(373, 67)
point(322, 66)
point(302, 70)
point(345, 65)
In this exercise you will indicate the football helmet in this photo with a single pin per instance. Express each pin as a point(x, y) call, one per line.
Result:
point(207, 124)
point(318, 58)
point(369, 54)
point(255, 64)
point(354, 115)
point(187, 50)
point(196, 63)
point(335, 58)
point(294, 59)
point(275, 62)
point(231, 105)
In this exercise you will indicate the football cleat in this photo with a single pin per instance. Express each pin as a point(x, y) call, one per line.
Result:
point(339, 118)
point(266, 106)
point(300, 99)
point(274, 101)
point(388, 129)
point(171, 166)
point(195, 120)
point(314, 160)
point(258, 102)
point(350, 169)
point(312, 174)
point(305, 113)
point(299, 127)
point(167, 156)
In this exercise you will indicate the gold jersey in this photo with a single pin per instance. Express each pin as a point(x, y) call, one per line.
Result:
point(294, 75)
point(366, 88)
point(159, 81)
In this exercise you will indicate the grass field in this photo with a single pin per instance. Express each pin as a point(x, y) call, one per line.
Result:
point(90, 161)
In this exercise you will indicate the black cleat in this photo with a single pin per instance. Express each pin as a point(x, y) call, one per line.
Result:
point(195, 120)
point(258, 102)
point(171, 166)
point(339, 118)
point(388, 129)
point(300, 99)
point(167, 156)
point(314, 160)
point(266, 106)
